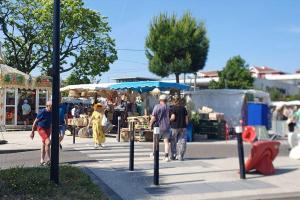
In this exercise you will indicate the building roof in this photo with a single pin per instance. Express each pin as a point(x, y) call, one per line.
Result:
point(266, 70)
point(131, 79)
point(208, 74)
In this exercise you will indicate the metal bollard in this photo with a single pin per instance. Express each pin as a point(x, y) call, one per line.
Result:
point(239, 131)
point(73, 130)
point(119, 128)
point(156, 155)
point(131, 153)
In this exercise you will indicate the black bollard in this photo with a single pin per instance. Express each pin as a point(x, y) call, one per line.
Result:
point(156, 155)
point(73, 130)
point(239, 131)
point(119, 128)
point(131, 153)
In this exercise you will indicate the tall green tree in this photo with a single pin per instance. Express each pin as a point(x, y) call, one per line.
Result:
point(235, 75)
point(86, 46)
point(175, 46)
point(74, 78)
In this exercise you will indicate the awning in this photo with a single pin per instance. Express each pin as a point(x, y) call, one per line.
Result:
point(147, 86)
point(81, 87)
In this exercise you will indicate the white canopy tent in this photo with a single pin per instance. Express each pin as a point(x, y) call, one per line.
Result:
point(231, 102)
point(82, 87)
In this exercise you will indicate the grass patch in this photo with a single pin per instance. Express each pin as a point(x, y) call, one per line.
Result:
point(34, 183)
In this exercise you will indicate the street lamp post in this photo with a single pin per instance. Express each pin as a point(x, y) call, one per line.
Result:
point(54, 169)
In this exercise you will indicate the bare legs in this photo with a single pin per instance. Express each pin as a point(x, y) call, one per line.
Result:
point(45, 151)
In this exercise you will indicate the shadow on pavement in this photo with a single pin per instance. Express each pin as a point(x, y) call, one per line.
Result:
point(16, 151)
point(202, 172)
point(80, 161)
point(204, 158)
point(278, 171)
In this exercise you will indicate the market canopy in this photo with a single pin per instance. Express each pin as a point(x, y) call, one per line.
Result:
point(81, 87)
point(147, 86)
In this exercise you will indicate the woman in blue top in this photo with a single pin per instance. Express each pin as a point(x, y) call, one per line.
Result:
point(42, 124)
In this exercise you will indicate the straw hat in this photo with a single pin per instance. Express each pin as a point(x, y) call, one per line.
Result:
point(74, 93)
point(155, 91)
point(98, 105)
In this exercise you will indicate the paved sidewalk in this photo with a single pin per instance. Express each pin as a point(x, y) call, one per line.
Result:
point(190, 179)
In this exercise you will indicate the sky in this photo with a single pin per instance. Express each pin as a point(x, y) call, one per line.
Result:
point(263, 32)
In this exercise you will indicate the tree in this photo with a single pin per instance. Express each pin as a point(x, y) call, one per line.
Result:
point(86, 46)
point(235, 75)
point(276, 94)
point(176, 46)
point(76, 78)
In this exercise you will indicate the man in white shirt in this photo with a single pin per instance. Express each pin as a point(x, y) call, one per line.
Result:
point(26, 110)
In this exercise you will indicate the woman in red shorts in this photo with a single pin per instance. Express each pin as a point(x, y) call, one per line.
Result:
point(42, 124)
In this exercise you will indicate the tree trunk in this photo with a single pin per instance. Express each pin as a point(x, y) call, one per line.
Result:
point(177, 78)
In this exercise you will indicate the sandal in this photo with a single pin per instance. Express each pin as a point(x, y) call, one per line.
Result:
point(42, 163)
point(48, 163)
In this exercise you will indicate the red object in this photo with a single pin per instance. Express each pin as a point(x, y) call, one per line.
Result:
point(249, 134)
point(261, 157)
point(44, 133)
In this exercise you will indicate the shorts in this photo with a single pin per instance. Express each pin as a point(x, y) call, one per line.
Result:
point(62, 130)
point(165, 134)
point(25, 117)
point(44, 133)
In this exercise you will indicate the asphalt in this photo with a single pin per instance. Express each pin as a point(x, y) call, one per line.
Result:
point(197, 177)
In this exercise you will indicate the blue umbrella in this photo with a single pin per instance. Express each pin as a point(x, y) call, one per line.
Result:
point(147, 86)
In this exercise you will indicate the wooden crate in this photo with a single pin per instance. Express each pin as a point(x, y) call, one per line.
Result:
point(124, 135)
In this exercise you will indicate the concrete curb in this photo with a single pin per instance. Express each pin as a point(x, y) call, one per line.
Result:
point(105, 188)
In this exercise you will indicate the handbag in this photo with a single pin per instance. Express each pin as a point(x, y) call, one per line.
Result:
point(104, 121)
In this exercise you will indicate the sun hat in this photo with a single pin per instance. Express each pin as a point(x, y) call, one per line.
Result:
point(163, 97)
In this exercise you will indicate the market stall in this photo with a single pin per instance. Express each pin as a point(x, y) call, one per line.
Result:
point(143, 89)
point(82, 96)
point(15, 88)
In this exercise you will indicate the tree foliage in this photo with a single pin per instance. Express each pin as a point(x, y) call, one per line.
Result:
point(276, 94)
point(74, 78)
point(86, 46)
point(235, 75)
point(175, 46)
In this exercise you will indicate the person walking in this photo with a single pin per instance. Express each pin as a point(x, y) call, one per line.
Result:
point(26, 110)
point(42, 124)
point(178, 121)
point(160, 118)
point(96, 121)
point(63, 120)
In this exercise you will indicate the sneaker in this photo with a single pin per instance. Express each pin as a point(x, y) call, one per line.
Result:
point(151, 155)
point(166, 159)
point(180, 158)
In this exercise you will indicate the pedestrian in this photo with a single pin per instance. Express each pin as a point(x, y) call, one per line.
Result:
point(160, 118)
point(42, 124)
point(26, 110)
point(96, 121)
point(75, 111)
point(178, 122)
point(63, 121)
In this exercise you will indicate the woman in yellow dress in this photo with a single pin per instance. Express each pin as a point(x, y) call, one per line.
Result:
point(96, 120)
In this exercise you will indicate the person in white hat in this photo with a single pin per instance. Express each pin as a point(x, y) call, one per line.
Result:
point(160, 118)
